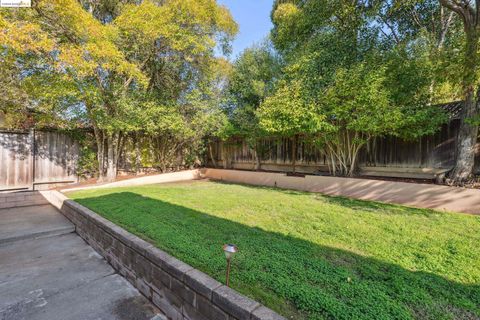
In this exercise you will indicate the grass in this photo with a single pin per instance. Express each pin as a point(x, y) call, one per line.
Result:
point(310, 256)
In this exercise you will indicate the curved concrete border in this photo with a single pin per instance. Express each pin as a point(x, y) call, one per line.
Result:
point(158, 178)
point(178, 289)
point(412, 194)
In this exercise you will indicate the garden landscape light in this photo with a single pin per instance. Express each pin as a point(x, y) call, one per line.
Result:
point(229, 250)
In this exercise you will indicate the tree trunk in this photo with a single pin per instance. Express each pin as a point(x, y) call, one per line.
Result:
point(343, 152)
point(100, 139)
point(466, 142)
point(138, 155)
point(120, 149)
point(294, 153)
point(112, 156)
point(354, 163)
point(210, 151)
point(257, 158)
point(468, 132)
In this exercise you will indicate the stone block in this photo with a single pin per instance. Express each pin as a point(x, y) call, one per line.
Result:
point(156, 256)
point(114, 262)
point(129, 257)
point(234, 303)
point(123, 270)
point(130, 276)
point(168, 303)
point(138, 244)
point(144, 288)
point(143, 268)
point(160, 278)
point(123, 259)
point(118, 247)
point(182, 291)
point(175, 267)
point(201, 283)
point(190, 313)
point(263, 313)
point(107, 241)
point(206, 308)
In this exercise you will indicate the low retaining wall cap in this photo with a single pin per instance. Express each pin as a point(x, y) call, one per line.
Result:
point(234, 303)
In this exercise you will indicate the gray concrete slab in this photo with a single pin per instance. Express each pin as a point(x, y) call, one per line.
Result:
point(53, 265)
point(61, 277)
point(32, 222)
point(111, 297)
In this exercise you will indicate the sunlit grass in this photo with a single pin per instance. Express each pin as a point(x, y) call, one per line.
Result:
point(310, 256)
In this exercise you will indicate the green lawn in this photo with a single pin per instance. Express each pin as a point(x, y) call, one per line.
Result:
point(310, 256)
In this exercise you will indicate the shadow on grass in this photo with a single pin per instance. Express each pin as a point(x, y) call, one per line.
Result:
point(295, 277)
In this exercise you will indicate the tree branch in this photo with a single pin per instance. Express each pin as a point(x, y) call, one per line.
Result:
point(392, 30)
point(465, 10)
point(445, 26)
point(454, 6)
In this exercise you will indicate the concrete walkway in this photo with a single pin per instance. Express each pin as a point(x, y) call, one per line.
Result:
point(48, 272)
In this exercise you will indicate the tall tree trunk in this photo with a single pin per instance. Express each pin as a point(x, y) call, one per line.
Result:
point(112, 156)
point(100, 139)
point(468, 132)
point(466, 142)
point(257, 158)
point(294, 153)
point(138, 154)
point(210, 151)
point(120, 149)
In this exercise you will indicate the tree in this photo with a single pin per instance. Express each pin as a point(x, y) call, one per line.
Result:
point(84, 66)
point(20, 41)
point(288, 113)
point(468, 134)
point(125, 67)
point(368, 101)
point(359, 108)
point(252, 79)
point(364, 68)
point(176, 49)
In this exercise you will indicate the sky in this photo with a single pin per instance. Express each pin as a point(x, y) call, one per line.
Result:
point(253, 18)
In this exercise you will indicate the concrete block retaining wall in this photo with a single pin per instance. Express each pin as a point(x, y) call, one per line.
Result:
point(179, 290)
point(21, 199)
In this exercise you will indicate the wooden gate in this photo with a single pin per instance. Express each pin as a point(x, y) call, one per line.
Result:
point(30, 160)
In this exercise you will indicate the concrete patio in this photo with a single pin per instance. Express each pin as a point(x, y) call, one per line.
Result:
point(48, 272)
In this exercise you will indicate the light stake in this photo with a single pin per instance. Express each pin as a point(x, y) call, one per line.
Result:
point(229, 250)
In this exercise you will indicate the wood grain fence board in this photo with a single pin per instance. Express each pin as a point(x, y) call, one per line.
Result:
point(36, 157)
point(16, 161)
point(436, 151)
point(55, 157)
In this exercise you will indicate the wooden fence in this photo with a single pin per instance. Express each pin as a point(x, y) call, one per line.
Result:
point(386, 156)
point(34, 159)
point(37, 159)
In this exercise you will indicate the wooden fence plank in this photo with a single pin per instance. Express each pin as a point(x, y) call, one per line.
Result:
point(32, 158)
point(435, 152)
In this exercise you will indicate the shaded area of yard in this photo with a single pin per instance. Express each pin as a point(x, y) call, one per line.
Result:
point(309, 256)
